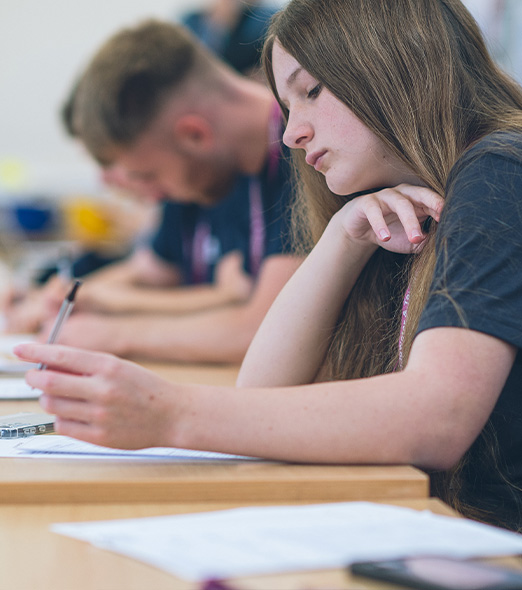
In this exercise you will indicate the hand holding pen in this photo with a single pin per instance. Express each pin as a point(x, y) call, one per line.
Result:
point(63, 314)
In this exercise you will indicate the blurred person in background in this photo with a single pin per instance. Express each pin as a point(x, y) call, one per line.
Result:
point(234, 30)
point(170, 122)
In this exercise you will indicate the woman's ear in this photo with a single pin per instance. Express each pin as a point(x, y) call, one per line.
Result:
point(194, 134)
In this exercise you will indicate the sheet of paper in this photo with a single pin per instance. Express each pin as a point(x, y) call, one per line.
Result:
point(17, 388)
point(9, 363)
point(56, 446)
point(254, 541)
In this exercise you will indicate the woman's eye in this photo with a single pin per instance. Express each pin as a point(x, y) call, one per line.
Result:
point(314, 93)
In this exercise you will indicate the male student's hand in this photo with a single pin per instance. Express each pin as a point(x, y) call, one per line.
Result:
point(39, 305)
point(232, 278)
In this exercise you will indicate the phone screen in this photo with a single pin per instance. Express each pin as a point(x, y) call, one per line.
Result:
point(439, 573)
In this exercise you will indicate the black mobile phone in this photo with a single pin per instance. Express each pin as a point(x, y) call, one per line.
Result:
point(440, 573)
point(25, 424)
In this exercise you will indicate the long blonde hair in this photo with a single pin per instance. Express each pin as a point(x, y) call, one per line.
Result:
point(417, 73)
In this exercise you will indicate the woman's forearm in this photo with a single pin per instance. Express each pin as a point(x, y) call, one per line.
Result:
point(290, 344)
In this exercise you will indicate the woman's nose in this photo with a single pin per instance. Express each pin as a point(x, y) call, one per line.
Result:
point(297, 133)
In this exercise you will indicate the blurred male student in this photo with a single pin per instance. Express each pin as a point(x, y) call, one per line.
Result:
point(165, 117)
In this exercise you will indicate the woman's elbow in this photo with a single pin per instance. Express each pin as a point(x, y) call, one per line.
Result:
point(441, 451)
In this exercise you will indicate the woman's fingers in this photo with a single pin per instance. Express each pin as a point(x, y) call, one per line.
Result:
point(430, 201)
point(410, 217)
point(376, 219)
point(76, 410)
point(63, 358)
point(80, 430)
point(411, 205)
point(388, 205)
point(391, 218)
point(100, 398)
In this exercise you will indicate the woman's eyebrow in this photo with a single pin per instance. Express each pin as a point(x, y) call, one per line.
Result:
point(291, 79)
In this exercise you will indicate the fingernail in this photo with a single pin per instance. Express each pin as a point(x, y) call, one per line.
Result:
point(416, 234)
point(384, 235)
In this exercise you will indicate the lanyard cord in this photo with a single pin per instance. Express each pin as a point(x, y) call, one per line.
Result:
point(257, 223)
point(404, 314)
point(202, 231)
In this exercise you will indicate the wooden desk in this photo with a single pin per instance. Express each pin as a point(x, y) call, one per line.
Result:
point(195, 373)
point(62, 480)
point(34, 557)
point(65, 480)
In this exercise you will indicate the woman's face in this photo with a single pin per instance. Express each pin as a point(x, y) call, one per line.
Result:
point(336, 142)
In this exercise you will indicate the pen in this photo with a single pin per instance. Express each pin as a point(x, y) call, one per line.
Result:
point(63, 314)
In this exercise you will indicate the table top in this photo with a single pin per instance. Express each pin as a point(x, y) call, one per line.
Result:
point(66, 480)
point(27, 480)
point(62, 563)
point(36, 493)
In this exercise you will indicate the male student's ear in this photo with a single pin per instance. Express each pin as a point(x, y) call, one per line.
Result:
point(194, 134)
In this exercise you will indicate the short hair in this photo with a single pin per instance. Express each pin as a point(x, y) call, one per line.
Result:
point(127, 81)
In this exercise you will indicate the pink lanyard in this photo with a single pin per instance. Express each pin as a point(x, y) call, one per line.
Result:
point(200, 240)
point(257, 223)
point(404, 313)
point(202, 232)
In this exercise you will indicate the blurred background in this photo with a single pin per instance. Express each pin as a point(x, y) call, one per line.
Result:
point(51, 197)
point(53, 203)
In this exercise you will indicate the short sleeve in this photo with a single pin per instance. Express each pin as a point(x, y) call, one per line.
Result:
point(174, 234)
point(477, 281)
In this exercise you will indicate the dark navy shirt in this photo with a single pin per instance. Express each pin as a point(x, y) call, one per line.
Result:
point(229, 224)
point(240, 46)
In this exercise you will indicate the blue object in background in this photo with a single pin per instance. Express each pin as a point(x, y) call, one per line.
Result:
point(34, 217)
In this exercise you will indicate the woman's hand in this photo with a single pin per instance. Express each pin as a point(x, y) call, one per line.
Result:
point(391, 218)
point(102, 399)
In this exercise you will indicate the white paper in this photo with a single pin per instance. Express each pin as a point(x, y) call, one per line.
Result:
point(255, 541)
point(58, 446)
point(9, 363)
point(17, 388)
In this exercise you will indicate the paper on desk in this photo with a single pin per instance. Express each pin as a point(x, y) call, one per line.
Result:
point(17, 388)
point(9, 363)
point(253, 541)
point(57, 446)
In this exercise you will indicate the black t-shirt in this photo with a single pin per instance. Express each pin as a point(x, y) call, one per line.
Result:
point(478, 283)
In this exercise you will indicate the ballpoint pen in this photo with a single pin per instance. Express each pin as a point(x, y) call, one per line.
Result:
point(63, 314)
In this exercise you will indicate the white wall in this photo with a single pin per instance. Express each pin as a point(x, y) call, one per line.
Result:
point(43, 44)
point(501, 23)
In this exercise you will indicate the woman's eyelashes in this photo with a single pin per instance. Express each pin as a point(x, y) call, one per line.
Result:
point(316, 90)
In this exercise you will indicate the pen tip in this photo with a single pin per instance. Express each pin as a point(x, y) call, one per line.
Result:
point(74, 289)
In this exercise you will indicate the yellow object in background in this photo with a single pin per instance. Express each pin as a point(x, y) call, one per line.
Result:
point(87, 220)
point(13, 173)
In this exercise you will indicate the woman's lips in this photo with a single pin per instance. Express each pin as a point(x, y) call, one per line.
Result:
point(315, 159)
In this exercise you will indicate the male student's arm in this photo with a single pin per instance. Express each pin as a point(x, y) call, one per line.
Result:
point(220, 335)
point(40, 304)
point(157, 288)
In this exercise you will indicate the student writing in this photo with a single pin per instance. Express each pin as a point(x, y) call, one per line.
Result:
point(172, 122)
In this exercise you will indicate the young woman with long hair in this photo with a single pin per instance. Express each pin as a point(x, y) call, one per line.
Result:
point(397, 340)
